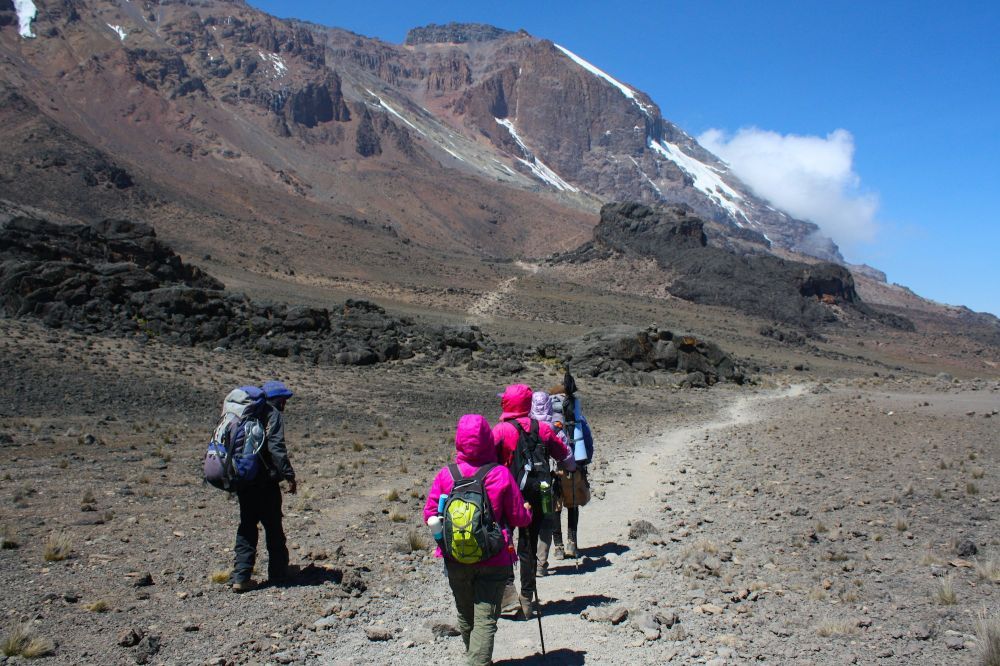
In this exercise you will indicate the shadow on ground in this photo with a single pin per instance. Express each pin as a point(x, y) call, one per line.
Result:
point(560, 657)
point(575, 605)
point(309, 576)
point(604, 549)
point(580, 566)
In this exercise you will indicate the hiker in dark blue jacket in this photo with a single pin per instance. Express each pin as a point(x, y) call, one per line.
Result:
point(260, 502)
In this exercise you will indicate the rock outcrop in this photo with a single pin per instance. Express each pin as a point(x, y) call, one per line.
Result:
point(805, 295)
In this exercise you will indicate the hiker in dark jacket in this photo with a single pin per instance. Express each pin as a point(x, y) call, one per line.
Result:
point(260, 502)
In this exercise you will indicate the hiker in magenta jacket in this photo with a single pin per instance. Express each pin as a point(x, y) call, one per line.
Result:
point(478, 588)
point(516, 404)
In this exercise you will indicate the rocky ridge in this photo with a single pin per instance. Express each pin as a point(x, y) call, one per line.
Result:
point(116, 278)
point(806, 295)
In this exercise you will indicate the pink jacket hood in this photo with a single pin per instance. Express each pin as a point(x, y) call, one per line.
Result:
point(474, 441)
point(515, 402)
point(474, 448)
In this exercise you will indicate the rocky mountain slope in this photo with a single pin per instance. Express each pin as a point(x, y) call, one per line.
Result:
point(278, 150)
point(466, 134)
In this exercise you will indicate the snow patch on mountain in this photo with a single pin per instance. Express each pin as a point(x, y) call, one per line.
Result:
point(538, 168)
point(26, 12)
point(393, 111)
point(628, 92)
point(646, 176)
point(706, 178)
point(120, 31)
point(276, 61)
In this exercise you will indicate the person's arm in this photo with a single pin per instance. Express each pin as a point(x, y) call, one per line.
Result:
point(501, 432)
point(276, 447)
point(438, 487)
point(517, 512)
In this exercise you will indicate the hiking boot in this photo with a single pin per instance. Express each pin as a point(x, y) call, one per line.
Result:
point(558, 553)
point(541, 570)
point(241, 586)
point(509, 604)
point(529, 607)
point(571, 544)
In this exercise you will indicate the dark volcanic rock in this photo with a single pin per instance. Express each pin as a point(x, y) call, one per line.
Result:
point(624, 351)
point(116, 278)
point(759, 284)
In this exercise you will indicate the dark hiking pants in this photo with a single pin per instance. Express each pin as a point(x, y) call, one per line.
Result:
point(527, 551)
point(260, 504)
point(478, 592)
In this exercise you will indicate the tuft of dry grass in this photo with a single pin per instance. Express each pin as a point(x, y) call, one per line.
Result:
point(971, 488)
point(100, 606)
point(398, 517)
point(901, 524)
point(219, 577)
point(988, 639)
point(88, 497)
point(837, 627)
point(8, 540)
point(944, 593)
point(58, 547)
point(978, 472)
point(392, 496)
point(989, 569)
point(22, 642)
point(417, 542)
point(357, 445)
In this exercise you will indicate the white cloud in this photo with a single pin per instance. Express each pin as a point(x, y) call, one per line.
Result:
point(810, 177)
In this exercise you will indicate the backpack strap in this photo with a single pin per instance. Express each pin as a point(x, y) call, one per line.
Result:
point(456, 473)
point(481, 473)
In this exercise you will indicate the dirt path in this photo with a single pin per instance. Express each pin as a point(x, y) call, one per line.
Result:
point(601, 576)
point(596, 577)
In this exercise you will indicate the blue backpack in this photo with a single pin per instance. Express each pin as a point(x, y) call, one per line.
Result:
point(233, 459)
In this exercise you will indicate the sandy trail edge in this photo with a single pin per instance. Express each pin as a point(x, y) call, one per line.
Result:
point(638, 476)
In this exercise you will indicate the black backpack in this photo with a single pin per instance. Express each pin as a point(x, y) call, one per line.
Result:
point(530, 463)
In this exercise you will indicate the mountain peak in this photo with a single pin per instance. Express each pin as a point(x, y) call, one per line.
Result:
point(454, 33)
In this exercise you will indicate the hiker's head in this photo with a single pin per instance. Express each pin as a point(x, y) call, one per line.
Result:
point(474, 440)
point(516, 401)
point(276, 393)
point(541, 406)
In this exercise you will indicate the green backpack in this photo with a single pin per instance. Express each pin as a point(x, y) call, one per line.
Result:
point(471, 532)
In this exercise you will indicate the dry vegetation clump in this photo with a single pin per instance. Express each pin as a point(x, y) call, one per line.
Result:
point(101, 606)
point(837, 627)
point(58, 547)
point(219, 577)
point(397, 517)
point(989, 569)
point(8, 540)
point(392, 496)
point(944, 594)
point(988, 639)
point(22, 642)
point(417, 542)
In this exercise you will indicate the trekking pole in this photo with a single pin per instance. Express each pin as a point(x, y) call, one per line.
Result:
point(576, 549)
point(541, 636)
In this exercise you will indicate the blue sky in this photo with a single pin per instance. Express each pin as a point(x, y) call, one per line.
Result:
point(915, 87)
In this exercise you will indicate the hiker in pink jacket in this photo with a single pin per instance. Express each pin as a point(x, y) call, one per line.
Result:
point(478, 588)
point(516, 405)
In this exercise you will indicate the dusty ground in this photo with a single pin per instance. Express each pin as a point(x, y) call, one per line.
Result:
point(811, 524)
